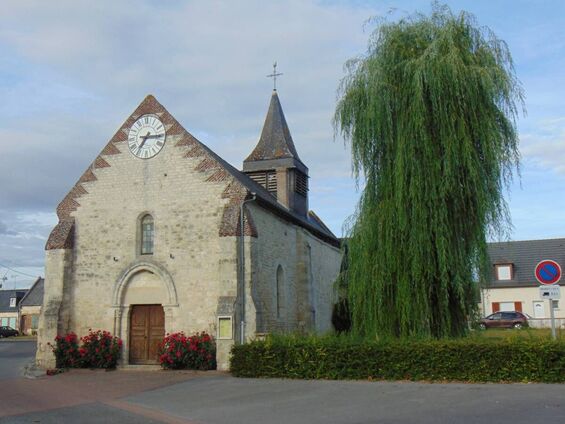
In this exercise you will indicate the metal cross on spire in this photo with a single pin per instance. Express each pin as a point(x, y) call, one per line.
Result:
point(274, 76)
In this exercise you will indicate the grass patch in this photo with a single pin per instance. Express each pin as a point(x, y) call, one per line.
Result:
point(498, 334)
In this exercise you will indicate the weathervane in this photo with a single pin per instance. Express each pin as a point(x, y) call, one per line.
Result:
point(274, 76)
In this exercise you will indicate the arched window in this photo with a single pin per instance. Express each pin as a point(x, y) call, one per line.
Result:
point(147, 235)
point(311, 287)
point(280, 291)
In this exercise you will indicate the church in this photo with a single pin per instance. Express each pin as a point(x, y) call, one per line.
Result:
point(161, 235)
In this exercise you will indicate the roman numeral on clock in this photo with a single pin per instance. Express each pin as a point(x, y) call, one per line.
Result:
point(146, 136)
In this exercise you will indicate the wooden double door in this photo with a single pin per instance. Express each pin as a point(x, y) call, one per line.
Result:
point(147, 329)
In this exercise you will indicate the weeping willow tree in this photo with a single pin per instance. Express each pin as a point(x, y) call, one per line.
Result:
point(430, 113)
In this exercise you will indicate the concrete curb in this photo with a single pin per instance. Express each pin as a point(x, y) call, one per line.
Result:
point(32, 371)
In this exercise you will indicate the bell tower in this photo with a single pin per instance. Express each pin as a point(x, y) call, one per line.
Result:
point(274, 163)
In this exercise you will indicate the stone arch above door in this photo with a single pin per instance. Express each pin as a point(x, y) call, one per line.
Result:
point(153, 271)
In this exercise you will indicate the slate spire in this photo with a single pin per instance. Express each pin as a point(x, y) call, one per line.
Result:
point(275, 143)
point(274, 163)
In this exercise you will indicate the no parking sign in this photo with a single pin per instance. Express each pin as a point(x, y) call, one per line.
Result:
point(548, 272)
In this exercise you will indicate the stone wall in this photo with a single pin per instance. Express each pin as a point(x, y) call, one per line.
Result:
point(309, 268)
point(58, 268)
point(95, 272)
point(190, 260)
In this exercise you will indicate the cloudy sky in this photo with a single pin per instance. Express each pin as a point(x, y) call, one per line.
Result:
point(72, 71)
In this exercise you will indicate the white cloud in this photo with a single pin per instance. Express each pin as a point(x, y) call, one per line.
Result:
point(71, 72)
point(21, 245)
point(545, 144)
point(205, 61)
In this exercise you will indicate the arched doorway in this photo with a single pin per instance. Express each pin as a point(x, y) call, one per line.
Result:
point(144, 298)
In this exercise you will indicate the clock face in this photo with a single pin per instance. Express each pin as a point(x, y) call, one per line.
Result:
point(146, 137)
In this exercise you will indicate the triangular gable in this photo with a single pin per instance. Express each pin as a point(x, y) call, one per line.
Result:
point(239, 185)
point(62, 235)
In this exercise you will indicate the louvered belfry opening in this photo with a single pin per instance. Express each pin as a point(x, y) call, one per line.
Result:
point(274, 163)
point(267, 179)
point(301, 183)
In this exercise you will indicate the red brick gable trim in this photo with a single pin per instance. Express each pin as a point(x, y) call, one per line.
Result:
point(62, 236)
point(100, 163)
point(219, 175)
point(194, 152)
point(110, 149)
point(230, 225)
point(194, 149)
point(235, 192)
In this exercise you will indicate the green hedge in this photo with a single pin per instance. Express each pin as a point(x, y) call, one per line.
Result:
point(340, 358)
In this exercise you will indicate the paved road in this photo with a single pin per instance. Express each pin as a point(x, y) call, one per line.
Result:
point(92, 397)
point(14, 354)
point(223, 399)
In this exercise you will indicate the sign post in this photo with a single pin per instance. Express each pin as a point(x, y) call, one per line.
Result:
point(548, 273)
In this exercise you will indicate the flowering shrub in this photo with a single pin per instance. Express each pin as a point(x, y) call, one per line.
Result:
point(100, 350)
point(197, 352)
point(66, 351)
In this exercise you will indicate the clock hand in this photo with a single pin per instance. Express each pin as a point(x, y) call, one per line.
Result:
point(144, 137)
point(154, 136)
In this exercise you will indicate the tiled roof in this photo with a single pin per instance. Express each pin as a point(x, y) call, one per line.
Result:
point(312, 222)
point(34, 296)
point(275, 147)
point(524, 256)
point(6, 295)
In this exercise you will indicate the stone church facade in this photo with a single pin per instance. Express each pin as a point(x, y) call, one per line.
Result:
point(149, 241)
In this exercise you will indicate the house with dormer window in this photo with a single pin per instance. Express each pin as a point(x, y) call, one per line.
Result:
point(512, 285)
point(9, 311)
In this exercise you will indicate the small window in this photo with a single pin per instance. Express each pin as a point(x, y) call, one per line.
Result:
point(555, 304)
point(12, 302)
point(504, 272)
point(225, 328)
point(279, 291)
point(147, 235)
point(34, 322)
point(507, 306)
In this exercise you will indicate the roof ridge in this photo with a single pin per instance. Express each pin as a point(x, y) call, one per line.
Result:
point(528, 241)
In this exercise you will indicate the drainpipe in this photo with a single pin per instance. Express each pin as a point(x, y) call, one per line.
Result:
point(242, 263)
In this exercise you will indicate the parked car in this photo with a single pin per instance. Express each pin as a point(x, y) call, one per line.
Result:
point(506, 319)
point(8, 331)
